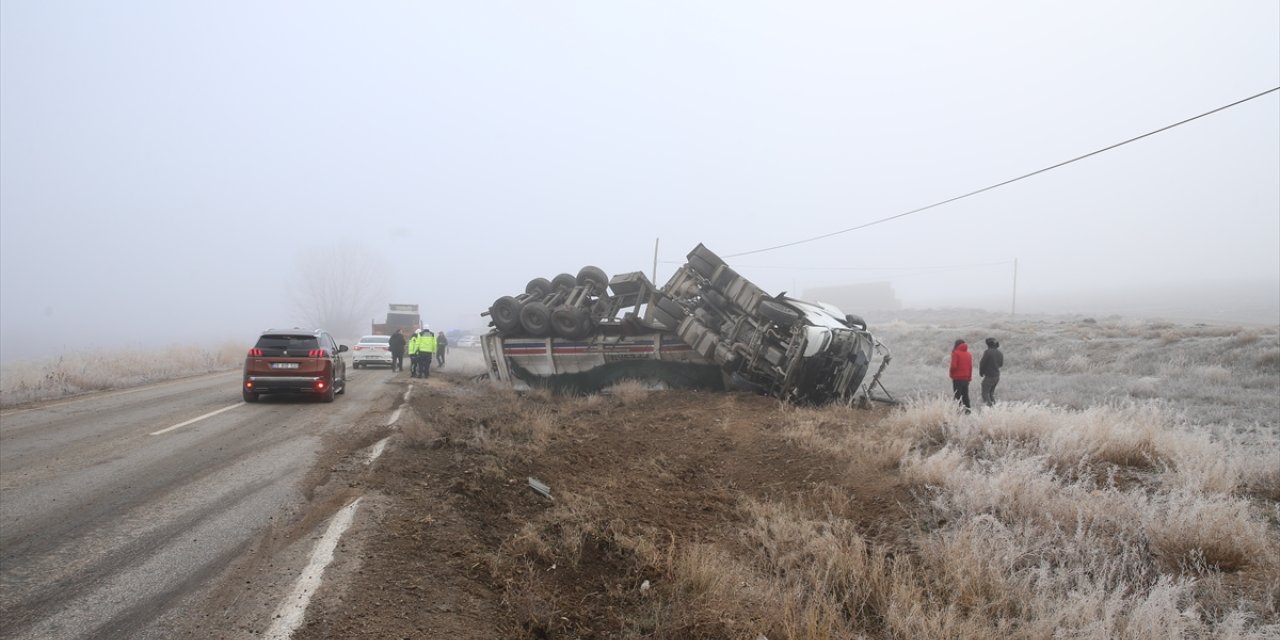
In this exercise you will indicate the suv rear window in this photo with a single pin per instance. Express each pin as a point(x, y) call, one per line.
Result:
point(274, 344)
point(375, 339)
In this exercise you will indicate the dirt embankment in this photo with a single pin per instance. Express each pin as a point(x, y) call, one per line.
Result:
point(643, 535)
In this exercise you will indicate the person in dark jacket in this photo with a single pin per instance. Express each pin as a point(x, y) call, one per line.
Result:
point(442, 346)
point(989, 369)
point(961, 372)
point(396, 344)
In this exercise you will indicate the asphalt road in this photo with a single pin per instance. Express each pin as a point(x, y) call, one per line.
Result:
point(109, 529)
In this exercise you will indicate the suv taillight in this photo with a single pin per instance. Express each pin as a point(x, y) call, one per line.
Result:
point(316, 353)
point(255, 352)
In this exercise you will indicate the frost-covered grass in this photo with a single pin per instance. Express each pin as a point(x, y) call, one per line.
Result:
point(1028, 521)
point(1127, 486)
point(39, 380)
point(1114, 521)
point(1209, 375)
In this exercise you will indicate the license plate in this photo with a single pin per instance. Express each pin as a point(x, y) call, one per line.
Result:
point(284, 365)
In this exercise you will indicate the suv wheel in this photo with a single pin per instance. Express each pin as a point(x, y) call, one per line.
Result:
point(249, 396)
point(329, 392)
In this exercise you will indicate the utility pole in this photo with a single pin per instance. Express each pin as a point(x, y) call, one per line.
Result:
point(1013, 311)
point(655, 260)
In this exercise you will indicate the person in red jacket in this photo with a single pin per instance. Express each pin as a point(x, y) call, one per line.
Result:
point(961, 372)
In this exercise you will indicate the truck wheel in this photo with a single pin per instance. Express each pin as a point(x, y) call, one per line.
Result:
point(716, 299)
point(706, 256)
point(674, 310)
point(506, 314)
point(593, 275)
point(724, 278)
point(567, 322)
point(535, 317)
point(585, 325)
point(701, 266)
point(665, 319)
point(778, 313)
point(538, 287)
point(564, 281)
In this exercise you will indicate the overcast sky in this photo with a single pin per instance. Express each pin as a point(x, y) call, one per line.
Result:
point(163, 166)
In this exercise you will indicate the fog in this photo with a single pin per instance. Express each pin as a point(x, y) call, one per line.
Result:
point(165, 167)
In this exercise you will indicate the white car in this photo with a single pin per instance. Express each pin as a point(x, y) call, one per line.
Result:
point(371, 350)
point(468, 341)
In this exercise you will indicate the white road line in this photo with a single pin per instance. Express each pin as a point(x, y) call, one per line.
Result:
point(376, 450)
point(394, 416)
point(289, 615)
point(207, 415)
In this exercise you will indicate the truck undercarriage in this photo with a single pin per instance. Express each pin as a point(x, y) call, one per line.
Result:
point(586, 332)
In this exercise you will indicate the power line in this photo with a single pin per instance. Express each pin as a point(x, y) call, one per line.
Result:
point(1009, 181)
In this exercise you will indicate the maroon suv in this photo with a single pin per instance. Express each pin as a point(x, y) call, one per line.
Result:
point(295, 361)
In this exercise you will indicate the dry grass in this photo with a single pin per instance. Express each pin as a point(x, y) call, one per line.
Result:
point(1032, 522)
point(1131, 490)
point(630, 391)
point(40, 380)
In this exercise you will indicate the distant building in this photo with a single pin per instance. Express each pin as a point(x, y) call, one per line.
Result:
point(857, 298)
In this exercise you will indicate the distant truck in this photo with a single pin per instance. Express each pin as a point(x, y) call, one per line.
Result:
point(400, 317)
point(707, 327)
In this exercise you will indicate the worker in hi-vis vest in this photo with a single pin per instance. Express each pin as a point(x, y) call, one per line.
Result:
point(415, 354)
point(428, 349)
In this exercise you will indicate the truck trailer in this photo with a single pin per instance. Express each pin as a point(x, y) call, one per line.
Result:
point(707, 327)
point(400, 317)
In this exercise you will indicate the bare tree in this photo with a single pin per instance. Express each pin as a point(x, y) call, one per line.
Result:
point(340, 287)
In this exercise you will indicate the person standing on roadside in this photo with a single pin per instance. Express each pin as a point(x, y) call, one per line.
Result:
point(989, 369)
point(428, 350)
point(961, 372)
point(442, 346)
point(396, 345)
point(415, 354)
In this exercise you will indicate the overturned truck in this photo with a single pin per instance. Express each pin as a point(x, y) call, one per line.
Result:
point(707, 327)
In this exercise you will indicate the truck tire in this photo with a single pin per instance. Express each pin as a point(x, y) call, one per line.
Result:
point(566, 322)
point(535, 317)
point(778, 313)
point(586, 325)
point(674, 310)
point(716, 299)
point(665, 319)
point(707, 257)
point(564, 281)
point(702, 267)
point(538, 287)
point(506, 314)
point(724, 278)
point(595, 276)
